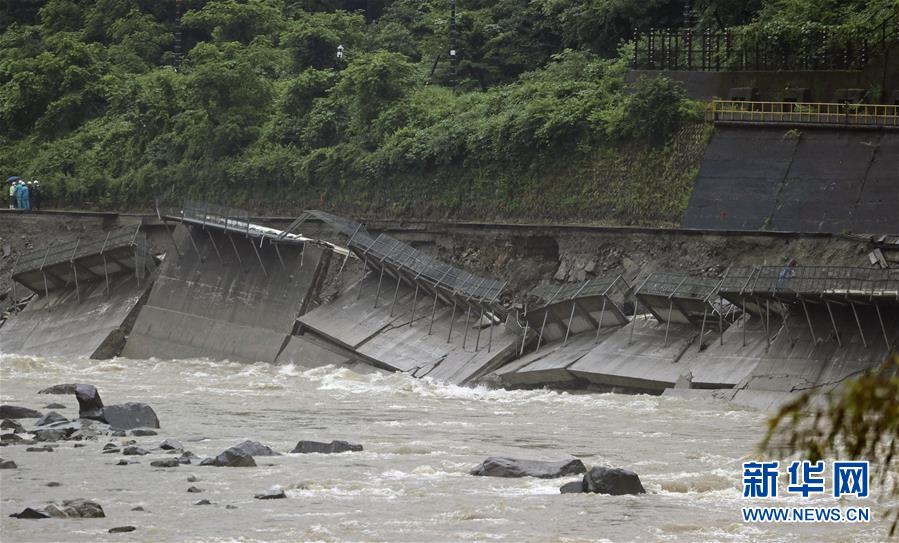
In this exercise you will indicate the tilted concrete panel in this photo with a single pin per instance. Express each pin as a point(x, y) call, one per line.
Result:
point(223, 301)
point(645, 364)
point(62, 325)
point(549, 365)
point(353, 321)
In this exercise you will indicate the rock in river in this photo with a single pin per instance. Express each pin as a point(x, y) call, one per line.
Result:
point(7, 464)
point(122, 529)
point(319, 447)
point(510, 467)
point(130, 415)
point(65, 388)
point(273, 494)
point(52, 434)
point(135, 451)
point(254, 448)
point(50, 418)
point(574, 487)
point(171, 445)
point(54, 405)
point(79, 508)
point(614, 481)
point(17, 412)
point(90, 406)
point(12, 425)
point(167, 463)
point(232, 458)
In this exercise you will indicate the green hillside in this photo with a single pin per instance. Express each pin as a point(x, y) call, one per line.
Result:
point(533, 121)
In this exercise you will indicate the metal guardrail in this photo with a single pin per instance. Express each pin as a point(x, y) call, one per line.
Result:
point(83, 246)
point(615, 288)
point(812, 281)
point(834, 47)
point(804, 113)
point(385, 250)
point(678, 285)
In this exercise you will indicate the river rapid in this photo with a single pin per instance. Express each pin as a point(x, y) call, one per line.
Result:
point(411, 482)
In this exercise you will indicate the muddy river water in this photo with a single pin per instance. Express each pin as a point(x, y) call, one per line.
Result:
point(411, 482)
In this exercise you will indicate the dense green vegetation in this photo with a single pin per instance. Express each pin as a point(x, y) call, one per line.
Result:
point(534, 120)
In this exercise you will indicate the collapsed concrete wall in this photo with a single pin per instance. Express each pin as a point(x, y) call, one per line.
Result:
point(86, 294)
point(380, 328)
point(819, 180)
point(221, 296)
point(62, 325)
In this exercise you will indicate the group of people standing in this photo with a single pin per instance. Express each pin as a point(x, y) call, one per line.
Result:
point(24, 195)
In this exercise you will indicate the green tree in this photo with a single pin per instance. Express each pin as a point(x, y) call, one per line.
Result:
point(858, 421)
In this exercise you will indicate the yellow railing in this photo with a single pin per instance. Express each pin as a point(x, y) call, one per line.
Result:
point(804, 113)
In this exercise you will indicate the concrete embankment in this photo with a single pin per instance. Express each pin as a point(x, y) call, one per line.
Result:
point(221, 296)
point(239, 297)
point(435, 341)
point(817, 180)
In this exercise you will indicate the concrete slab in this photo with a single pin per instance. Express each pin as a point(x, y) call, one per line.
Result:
point(411, 349)
point(352, 318)
point(310, 353)
point(646, 364)
point(549, 366)
point(94, 327)
point(225, 299)
point(726, 365)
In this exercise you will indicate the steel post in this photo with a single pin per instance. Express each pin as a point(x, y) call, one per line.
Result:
point(883, 329)
point(705, 313)
point(414, 302)
point(380, 281)
point(542, 326)
point(214, 246)
point(467, 319)
point(602, 314)
point(833, 322)
point(668, 320)
point(861, 333)
point(452, 322)
point(258, 257)
point(568, 326)
point(477, 341)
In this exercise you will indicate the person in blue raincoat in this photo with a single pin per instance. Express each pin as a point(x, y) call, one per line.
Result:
point(23, 197)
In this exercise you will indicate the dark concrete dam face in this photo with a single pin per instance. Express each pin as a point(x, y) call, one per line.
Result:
point(813, 180)
point(225, 298)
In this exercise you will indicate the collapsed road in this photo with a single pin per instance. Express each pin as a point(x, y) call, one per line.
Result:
point(717, 314)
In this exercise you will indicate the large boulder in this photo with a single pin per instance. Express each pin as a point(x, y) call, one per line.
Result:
point(12, 425)
point(31, 513)
point(614, 481)
point(90, 406)
point(50, 418)
point(171, 445)
point(65, 388)
point(231, 458)
point(79, 508)
point(574, 487)
point(52, 434)
point(512, 467)
point(254, 448)
point(306, 447)
point(130, 415)
point(17, 412)
point(7, 464)
point(271, 494)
